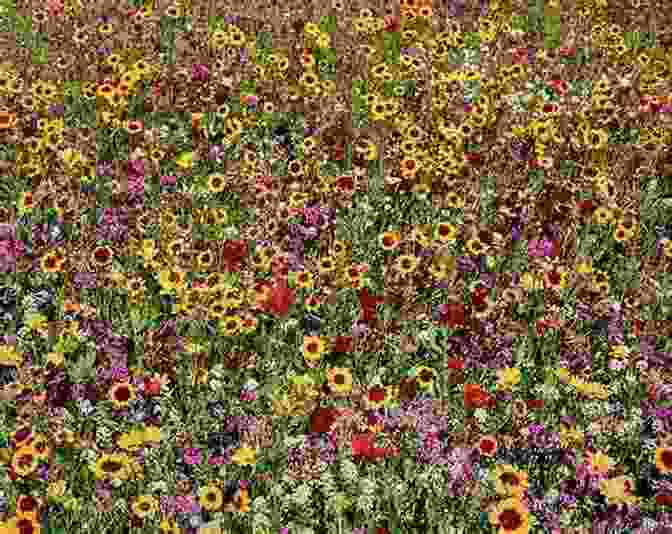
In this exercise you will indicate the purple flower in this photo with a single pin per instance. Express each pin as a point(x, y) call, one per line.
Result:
point(192, 456)
point(168, 180)
point(466, 264)
point(516, 230)
point(215, 153)
point(359, 328)
point(200, 72)
point(104, 168)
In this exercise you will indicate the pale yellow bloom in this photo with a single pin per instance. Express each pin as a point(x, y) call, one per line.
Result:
point(244, 456)
point(508, 378)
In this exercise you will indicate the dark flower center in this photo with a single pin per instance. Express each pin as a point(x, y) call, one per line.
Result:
point(339, 379)
point(509, 478)
point(666, 457)
point(510, 519)
point(122, 393)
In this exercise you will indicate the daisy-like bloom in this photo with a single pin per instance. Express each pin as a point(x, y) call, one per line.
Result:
point(510, 481)
point(618, 490)
point(446, 232)
point(487, 446)
point(622, 234)
point(145, 506)
point(25, 461)
point(664, 460)
point(121, 394)
point(602, 215)
point(211, 498)
point(390, 240)
point(171, 280)
point(511, 517)
point(599, 462)
point(600, 281)
point(244, 456)
point(340, 379)
point(313, 347)
point(216, 183)
point(475, 247)
point(424, 376)
point(508, 378)
point(230, 325)
point(304, 279)
point(327, 265)
point(406, 264)
point(115, 465)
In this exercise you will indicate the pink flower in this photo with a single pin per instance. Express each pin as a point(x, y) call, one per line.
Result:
point(186, 503)
point(192, 456)
point(216, 460)
point(168, 180)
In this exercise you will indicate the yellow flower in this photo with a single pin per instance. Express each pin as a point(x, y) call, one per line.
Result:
point(313, 347)
point(121, 394)
point(145, 505)
point(151, 434)
point(511, 516)
point(474, 247)
point(323, 40)
point(185, 160)
point(304, 279)
point(619, 351)
point(340, 379)
point(230, 325)
point(531, 281)
point(424, 376)
point(211, 498)
point(621, 233)
point(171, 280)
point(9, 356)
point(667, 248)
point(599, 462)
point(564, 375)
point(584, 267)
point(244, 456)
point(600, 280)
point(570, 437)
point(446, 232)
point(508, 378)
point(131, 441)
point(406, 264)
point(168, 526)
point(593, 390)
point(56, 489)
point(25, 461)
point(510, 481)
point(114, 465)
point(327, 265)
point(618, 490)
point(602, 215)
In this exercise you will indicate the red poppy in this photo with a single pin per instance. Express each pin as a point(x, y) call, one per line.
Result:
point(651, 391)
point(472, 157)
point(152, 386)
point(476, 397)
point(345, 183)
point(454, 315)
point(560, 86)
point(338, 152)
point(343, 344)
point(382, 530)
point(233, 253)
point(25, 526)
point(479, 296)
point(363, 447)
point(637, 327)
point(487, 446)
point(26, 503)
point(377, 394)
point(282, 297)
point(368, 303)
point(454, 363)
point(567, 51)
point(664, 500)
point(322, 419)
point(535, 404)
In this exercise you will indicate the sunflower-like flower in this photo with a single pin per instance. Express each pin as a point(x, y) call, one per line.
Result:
point(114, 465)
point(511, 517)
point(211, 498)
point(510, 481)
point(145, 506)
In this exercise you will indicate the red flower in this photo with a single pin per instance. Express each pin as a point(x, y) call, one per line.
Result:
point(586, 205)
point(322, 419)
point(472, 156)
point(152, 387)
point(651, 391)
point(476, 397)
point(637, 327)
point(377, 394)
point(568, 52)
point(339, 152)
point(345, 183)
point(535, 404)
point(391, 23)
point(479, 296)
point(343, 344)
point(233, 253)
point(454, 315)
point(282, 297)
point(454, 363)
point(363, 447)
point(368, 303)
point(664, 500)
point(382, 530)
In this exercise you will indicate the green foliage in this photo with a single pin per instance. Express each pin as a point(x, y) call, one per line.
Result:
point(392, 50)
point(328, 24)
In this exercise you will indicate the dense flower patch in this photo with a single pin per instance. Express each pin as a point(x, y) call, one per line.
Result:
point(359, 271)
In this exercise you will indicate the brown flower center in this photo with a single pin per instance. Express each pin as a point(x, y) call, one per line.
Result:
point(666, 457)
point(509, 478)
point(339, 379)
point(111, 466)
point(101, 255)
point(122, 393)
point(510, 519)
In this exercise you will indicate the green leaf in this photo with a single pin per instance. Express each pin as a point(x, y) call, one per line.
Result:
point(328, 24)
point(472, 40)
point(23, 24)
point(392, 50)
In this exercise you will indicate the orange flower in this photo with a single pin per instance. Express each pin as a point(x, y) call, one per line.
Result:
point(390, 240)
point(476, 397)
point(27, 507)
point(408, 167)
point(664, 460)
point(7, 120)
